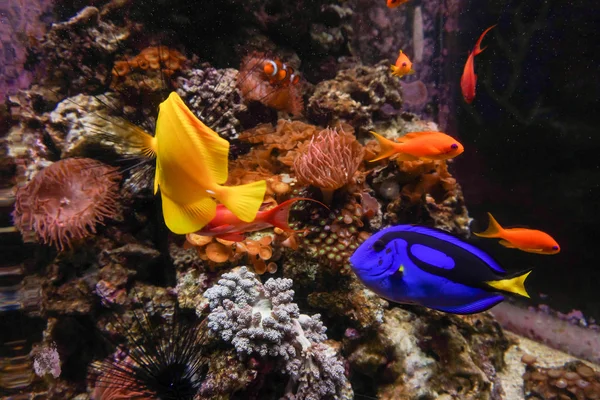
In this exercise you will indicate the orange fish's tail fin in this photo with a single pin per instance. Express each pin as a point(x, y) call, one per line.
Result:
point(515, 284)
point(477, 49)
point(494, 229)
point(243, 200)
point(388, 148)
point(278, 216)
point(395, 71)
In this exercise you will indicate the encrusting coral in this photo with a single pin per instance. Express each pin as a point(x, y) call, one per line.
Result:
point(212, 95)
point(261, 320)
point(329, 161)
point(574, 380)
point(64, 202)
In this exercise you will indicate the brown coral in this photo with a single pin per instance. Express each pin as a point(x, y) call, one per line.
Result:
point(329, 161)
point(574, 380)
point(65, 201)
point(255, 85)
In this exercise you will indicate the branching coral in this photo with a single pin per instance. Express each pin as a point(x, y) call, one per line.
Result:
point(255, 85)
point(329, 161)
point(262, 320)
point(65, 201)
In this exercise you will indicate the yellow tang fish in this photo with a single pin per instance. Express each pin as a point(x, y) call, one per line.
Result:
point(191, 168)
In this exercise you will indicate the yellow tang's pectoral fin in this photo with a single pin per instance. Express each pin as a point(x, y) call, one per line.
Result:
point(184, 219)
point(512, 285)
point(183, 139)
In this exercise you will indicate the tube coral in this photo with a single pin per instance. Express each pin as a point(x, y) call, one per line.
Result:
point(329, 161)
point(65, 201)
point(280, 93)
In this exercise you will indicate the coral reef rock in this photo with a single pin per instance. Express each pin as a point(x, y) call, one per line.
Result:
point(430, 355)
point(359, 96)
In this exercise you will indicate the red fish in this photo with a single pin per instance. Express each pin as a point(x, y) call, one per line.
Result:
point(225, 225)
point(468, 81)
point(395, 3)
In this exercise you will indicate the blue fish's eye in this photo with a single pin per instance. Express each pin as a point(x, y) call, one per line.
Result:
point(378, 246)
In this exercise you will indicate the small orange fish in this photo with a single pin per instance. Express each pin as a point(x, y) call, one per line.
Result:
point(280, 73)
point(530, 240)
point(395, 3)
point(403, 66)
point(468, 81)
point(419, 146)
point(225, 225)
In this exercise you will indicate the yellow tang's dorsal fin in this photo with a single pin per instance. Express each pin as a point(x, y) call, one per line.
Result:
point(185, 140)
point(412, 135)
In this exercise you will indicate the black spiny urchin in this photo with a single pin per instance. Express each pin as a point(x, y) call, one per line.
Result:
point(161, 359)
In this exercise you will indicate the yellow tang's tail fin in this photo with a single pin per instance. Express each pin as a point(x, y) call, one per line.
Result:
point(184, 219)
point(243, 200)
point(512, 285)
point(388, 148)
point(494, 229)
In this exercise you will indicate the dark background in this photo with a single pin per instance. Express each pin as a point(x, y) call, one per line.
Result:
point(531, 136)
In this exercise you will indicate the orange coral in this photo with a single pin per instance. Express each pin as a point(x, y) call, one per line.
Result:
point(117, 383)
point(65, 201)
point(219, 251)
point(329, 161)
point(426, 178)
point(161, 57)
point(256, 85)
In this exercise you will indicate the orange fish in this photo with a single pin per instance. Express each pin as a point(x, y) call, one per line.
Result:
point(403, 65)
point(419, 146)
point(468, 81)
point(395, 3)
point(530, 240)
point(280, 73)
point(225, 225)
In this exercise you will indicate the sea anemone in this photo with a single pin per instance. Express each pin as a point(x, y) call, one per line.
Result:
point(64, 202)
point(329, 161)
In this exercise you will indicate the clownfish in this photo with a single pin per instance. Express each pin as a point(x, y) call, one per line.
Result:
point(279, 73)
point(395, 3)
point(419, 146)
point(529, 240)
point(403, 66)
point(191, 168)
point(418, 265)
point(468, 80)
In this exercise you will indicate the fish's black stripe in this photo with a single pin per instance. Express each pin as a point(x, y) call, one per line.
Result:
point(469, 269)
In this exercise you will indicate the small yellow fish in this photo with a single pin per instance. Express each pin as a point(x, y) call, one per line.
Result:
point(191, 168)
point(403, 66)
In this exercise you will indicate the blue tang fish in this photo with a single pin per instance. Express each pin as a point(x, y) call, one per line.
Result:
point(429, 267)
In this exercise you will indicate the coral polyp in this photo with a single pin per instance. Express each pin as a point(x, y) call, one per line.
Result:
point(64, 202)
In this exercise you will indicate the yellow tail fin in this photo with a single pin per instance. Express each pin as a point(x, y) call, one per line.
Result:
point(512, 285)
point(243, 200)
point(184, 219)
point(388, 148)
point(494, 229)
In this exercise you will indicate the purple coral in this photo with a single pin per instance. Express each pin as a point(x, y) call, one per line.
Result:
point(262, 320)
